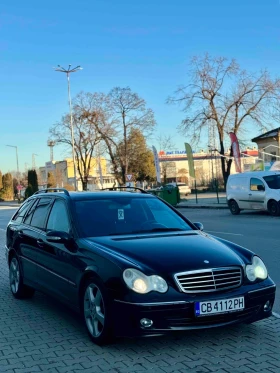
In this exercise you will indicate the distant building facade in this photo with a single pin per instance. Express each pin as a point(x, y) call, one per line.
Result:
point(63, 172)
point(269, 145)
point(174, 164)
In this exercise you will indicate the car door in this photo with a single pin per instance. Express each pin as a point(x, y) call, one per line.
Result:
point(241, 191)
point(56, 273)
point(24, 240)
point(257, 194)
point(33, 223)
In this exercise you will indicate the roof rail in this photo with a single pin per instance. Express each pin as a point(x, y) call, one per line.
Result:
point(48, 190)
point(126, 187)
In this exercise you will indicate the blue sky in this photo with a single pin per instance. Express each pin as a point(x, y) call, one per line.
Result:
point(142, 44)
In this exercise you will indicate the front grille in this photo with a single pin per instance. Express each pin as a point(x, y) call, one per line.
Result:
point(209, 280)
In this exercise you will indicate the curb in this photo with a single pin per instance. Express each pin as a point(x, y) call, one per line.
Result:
point(11, 205)
point(219, 207)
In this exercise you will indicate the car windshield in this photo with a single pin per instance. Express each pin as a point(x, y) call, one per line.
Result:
point(273, 181)
point(126, 215)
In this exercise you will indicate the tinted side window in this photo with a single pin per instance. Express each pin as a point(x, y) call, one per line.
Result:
point(41, 213)
point(255, 183)
point(28, 216)
point(58, 219)
point(18, 217)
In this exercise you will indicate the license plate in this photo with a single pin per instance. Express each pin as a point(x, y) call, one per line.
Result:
point(219, 306)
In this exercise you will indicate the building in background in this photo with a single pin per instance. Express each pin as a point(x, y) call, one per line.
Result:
point(269, 146)
point(174, 165)
point(63, 172)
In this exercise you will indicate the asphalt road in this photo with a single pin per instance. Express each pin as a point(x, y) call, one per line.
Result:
point(256, 231)
point(42, 335)
point(5, 215)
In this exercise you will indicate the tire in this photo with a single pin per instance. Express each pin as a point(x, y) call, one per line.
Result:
point(234, 208)
point(18, 289)
point(274, 208)
point(97, 313)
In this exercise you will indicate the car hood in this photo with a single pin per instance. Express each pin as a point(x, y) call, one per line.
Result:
point(170, 253)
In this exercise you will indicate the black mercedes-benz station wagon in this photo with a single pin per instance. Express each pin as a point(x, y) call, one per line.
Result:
point(132, 264)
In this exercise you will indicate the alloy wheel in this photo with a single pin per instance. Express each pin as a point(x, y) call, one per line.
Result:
point(14, 275)
point(94, 310)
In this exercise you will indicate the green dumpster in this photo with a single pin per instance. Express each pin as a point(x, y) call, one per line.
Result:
point(168, 194)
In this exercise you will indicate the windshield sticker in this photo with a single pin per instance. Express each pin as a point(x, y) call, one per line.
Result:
point(120, 214)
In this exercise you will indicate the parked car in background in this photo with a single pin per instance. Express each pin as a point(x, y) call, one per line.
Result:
point(132, 265)
point(183, 188)
point(259, 190)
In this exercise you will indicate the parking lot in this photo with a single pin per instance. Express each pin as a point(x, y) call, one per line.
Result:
point(40, 335)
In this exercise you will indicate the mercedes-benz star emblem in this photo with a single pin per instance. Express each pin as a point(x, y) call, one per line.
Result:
point(206, 261)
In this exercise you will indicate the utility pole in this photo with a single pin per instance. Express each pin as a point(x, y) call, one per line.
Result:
point(34, 161)
point(51, 145)
point(15, 147)
point(68, 72)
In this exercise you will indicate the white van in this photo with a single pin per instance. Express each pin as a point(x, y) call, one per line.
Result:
point(258, 190)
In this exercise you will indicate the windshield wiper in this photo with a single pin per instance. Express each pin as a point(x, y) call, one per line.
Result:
point(148, 231)
point(160, 230)
point(120, 233)
point(166, 229)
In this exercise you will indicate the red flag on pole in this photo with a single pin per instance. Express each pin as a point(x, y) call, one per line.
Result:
point(235, 151)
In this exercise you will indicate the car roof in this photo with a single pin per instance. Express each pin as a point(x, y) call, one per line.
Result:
point(111, 194)
point(256, 173)
point(80, 196)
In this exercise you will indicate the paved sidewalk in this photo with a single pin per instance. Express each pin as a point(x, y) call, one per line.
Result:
point(208, 200)
point(40, 335)
point(14, 204)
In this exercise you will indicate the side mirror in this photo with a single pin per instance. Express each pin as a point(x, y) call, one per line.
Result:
point(58, 237)
point(260, 188)
point(199, 226)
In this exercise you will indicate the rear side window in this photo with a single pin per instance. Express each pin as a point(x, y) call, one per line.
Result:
point(238, 183)
point(28, 216)
point(40, 213)
point(18, 217)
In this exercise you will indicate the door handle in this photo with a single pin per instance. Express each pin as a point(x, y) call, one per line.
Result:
point(250, 194)
point(20, 234)
point(40, 242)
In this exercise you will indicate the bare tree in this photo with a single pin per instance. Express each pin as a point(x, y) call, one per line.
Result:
point(165, 142)
point(96, 110)
point(182, 174)
point(114, 116)
point(130, 113)
point(85, 139)
point(221, 92)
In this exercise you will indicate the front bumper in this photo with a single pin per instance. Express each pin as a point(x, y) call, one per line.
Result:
point(180, 315)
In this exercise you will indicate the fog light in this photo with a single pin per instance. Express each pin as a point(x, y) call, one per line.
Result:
point(146, 323)
point(267, 306)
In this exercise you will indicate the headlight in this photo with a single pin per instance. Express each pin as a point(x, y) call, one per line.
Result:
point(256, 270)
point(143, 284)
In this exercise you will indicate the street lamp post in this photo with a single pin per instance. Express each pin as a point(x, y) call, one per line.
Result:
point(15, 147)
point(68, 72)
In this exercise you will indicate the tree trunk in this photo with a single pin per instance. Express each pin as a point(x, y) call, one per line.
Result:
point(123, 174)
point(125, 147)
point(84, 183)
point(226, 164)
